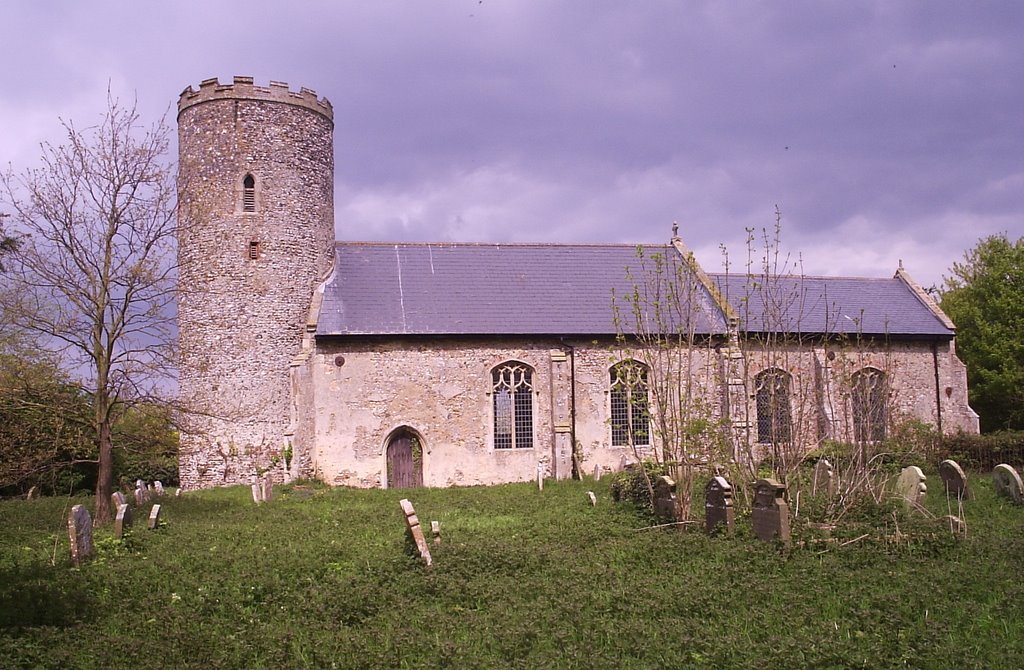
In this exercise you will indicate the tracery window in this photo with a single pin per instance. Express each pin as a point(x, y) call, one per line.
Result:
point(513, 405)
point(774, 421)
point(870, 405)
point(630, 407)
point(249, 193)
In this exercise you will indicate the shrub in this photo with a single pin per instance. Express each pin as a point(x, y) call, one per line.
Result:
point(630, 484)
point(983, 452)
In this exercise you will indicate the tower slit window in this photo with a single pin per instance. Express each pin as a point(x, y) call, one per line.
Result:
point(249, 193)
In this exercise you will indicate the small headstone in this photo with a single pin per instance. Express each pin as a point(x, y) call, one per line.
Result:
point(597, 472)
point(267, 488)
point(435, 530)
point(953, 479)
point(117, 499)
point(770, 514)
point(540, 476)
point(139, 484)
point(592, 498)
point(1007, 483)
point(122, 520)
point(177, 493)
point(257, 493)
point(158, 487)
point(80, 534)
point(825, 480)
point(141, 498)
point(154, 517)
point(665, 503)
point(413, 524)
point(718, 509)
point(911, 486)
point(32, 494)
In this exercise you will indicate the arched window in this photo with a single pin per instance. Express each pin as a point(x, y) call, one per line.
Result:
point(774, 422)
point(513, 406)
point(870, 405)
point(631, 419)
point(249, 193)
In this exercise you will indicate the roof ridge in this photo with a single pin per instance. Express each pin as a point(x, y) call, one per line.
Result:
point(553, 245)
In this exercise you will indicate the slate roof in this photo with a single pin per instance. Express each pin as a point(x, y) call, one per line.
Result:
point(834, 305)
point(483, 289)
point(566, 289)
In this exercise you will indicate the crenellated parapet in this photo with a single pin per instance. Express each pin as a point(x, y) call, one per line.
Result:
point(243, 88)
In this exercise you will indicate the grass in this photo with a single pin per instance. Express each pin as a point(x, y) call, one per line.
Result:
point(324, 578)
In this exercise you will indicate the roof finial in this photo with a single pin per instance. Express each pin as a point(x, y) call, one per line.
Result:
point(901, 264)
point(675, 230)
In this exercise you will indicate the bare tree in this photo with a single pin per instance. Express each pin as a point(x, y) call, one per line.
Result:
point(93, 265)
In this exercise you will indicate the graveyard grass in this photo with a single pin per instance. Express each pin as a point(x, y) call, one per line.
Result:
point(322, 578)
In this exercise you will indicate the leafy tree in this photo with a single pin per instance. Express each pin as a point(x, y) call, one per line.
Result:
point(985, 298)
point(92, 268)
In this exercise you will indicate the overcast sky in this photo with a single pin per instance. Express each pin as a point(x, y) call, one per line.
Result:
point(882, 130)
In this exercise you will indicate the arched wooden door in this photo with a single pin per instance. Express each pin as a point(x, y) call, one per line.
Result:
point(405, 461)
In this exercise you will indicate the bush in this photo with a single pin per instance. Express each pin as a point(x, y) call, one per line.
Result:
point(630, 484)
point(983, 452)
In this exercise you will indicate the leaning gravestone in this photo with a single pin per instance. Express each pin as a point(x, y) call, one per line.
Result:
point(825, 480)
point(1007, 483)
point(718, 509)
point(80, 534)
point(412, 522)
point(158, 487)
point(770, 515)
point(666, 505)
point(154, 517)
point(33, 493)
point(911, 486)
point(117, 499)
point(123, 520)
point(592, 498)
point(953, 479)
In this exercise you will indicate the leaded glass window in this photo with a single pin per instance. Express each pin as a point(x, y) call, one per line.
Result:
point(631, 419)
point(513, 406)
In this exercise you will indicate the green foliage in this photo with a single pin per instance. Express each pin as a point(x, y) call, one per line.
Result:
point(985, 298)
point(985, 451)
point(146, 446)
point(524, 579)
point(630, 485)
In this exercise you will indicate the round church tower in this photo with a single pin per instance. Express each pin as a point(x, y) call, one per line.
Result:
point(255, 237)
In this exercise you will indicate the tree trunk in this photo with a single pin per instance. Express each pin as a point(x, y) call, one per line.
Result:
point(105, 476)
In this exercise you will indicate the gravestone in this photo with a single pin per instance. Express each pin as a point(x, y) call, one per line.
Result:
point(177, 493)
point(267, 488)
point(435, 530)
point(953, 479)
point(665, 503)
point(257, 493)
point(718, 509)
point(154, 517)
point(540, 476)
point(32, 494)
point(158, 487)
point(911, 486)
point(139, 484)
point(413, 525)
point(1007, 483)
point(122, 520)
point(592, 498)
point(80, 534)
point(597, 472)
point(770, 514)
point(825, 480)
point(117, 499)
point(141, 497)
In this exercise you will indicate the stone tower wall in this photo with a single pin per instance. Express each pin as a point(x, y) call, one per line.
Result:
point(246, 278)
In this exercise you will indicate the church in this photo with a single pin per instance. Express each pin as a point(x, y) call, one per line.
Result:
point(374, 364)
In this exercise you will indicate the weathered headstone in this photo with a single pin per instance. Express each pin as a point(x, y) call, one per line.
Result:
point(413, 524)
point(80, 534)
point(718, 509)
point(257, 493)
point(911, 486)
point(953, 479)
point(32, 494)
point(435, 530)
point(122, 520)
point(770, 514)
point(154, 517)
point(139, 484)
point(597, 472)
point(177, 493)
point(665, 504)
point(267, 488)
point(141, 497)
point(1007, 483)
point(825, 480)
point(540, 476)
point(592, 498)
point(158, 487)
point(117, 499)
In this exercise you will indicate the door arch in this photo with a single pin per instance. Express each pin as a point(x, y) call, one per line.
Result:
point(404, 459)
